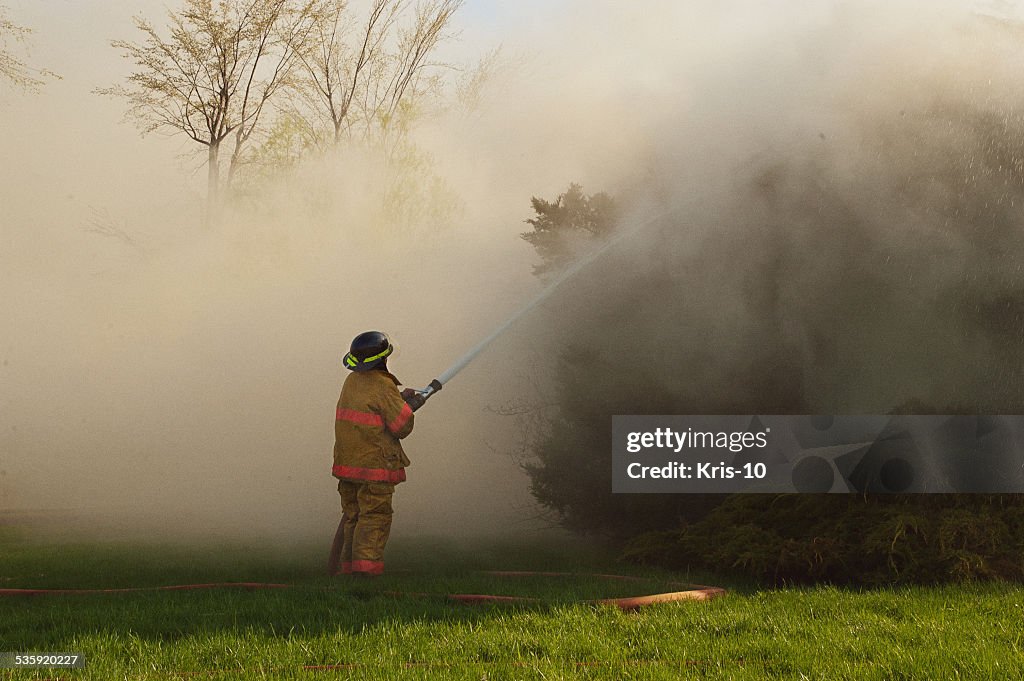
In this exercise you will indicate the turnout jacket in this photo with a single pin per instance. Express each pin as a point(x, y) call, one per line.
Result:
point(371, 419)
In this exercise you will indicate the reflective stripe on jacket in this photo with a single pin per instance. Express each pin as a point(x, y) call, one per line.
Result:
point(370, 420)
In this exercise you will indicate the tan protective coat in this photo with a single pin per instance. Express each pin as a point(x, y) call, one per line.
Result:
point(371, 418)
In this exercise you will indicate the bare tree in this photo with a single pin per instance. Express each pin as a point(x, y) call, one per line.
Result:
point(212, 77)
point(12, 68)
point(362, 77)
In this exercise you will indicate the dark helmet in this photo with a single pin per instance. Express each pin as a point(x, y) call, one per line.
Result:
point(368, 351)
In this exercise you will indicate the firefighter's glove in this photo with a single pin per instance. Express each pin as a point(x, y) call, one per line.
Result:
point(413, 398)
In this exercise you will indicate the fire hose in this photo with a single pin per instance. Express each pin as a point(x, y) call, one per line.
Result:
point(692, 592)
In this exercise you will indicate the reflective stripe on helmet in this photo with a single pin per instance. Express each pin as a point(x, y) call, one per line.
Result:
point(378, 355)
point(352, 361)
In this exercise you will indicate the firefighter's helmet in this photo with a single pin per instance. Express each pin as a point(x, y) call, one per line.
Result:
point(368, 350)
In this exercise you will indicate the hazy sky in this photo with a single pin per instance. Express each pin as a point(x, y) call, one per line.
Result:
point(72, 38)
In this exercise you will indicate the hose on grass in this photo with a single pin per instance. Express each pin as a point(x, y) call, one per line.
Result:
point(629, 603)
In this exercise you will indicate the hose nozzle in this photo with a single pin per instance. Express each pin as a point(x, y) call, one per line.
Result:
point(422, 394)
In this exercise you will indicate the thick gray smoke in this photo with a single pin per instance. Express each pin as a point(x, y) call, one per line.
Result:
point(848, 240)
point(848, 179)
point(850, 194)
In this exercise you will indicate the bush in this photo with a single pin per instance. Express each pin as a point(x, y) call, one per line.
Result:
point(849, 539)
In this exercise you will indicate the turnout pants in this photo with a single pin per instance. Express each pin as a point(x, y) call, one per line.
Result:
point(366, 521)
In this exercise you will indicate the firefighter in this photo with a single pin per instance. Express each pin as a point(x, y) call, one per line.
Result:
point(372, 417)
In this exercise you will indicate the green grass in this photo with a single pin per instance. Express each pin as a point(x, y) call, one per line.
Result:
point(972, 632)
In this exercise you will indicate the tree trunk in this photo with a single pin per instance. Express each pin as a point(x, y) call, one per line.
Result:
point(233, 164)
point(212, 185)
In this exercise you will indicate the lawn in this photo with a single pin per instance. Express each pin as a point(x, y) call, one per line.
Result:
point(323, 628)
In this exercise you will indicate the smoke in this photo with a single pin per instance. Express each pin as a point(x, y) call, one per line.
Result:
point(846, 181)
point(190, 390)
point(846, 239)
